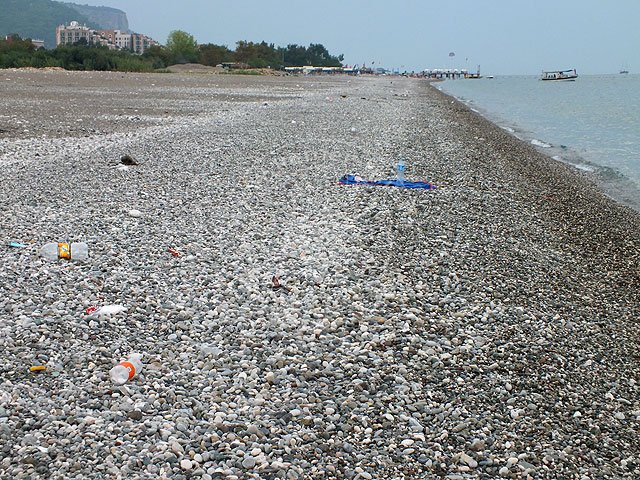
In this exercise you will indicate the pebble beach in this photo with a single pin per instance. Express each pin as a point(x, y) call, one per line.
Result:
point(485, 329)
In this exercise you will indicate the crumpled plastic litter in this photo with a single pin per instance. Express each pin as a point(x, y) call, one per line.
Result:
point(110, 309)
point(351, 179)
point(17, 244)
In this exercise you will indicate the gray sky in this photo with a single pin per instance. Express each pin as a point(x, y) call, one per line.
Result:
point(503, 36)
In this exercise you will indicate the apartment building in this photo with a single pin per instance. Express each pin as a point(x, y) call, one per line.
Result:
point(74, 32)
point(116, 37)
point(113, 39)
point(140, 43)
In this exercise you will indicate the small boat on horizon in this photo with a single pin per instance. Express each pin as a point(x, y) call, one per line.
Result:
point(560, 75)
point(624, 70)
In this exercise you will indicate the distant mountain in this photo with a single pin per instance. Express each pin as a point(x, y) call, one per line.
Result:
point(39, 18)
point(108, 18)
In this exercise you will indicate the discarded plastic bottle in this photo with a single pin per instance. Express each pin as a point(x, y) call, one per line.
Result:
point(125, 371)
point(70, 251)
point(400, 172)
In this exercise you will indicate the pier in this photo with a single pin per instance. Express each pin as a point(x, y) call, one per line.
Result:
point(448, 73)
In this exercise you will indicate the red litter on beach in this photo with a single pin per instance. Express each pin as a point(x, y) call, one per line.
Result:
point(91, 309)
point(173, 252)
point(277, 285)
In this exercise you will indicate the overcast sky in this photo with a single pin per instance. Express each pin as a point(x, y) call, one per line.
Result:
point(503, 36)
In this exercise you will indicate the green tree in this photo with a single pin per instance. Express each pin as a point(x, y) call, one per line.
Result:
point(316, 55)
point(158, 56)
point(182, 46)
point(320, 56)
point(244, 52)
point(41, 58)
point(16, 52)
point(257, 55)
point(295, 56)
point(213, 55)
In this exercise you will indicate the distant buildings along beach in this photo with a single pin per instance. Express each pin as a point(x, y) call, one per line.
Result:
point(112, 39)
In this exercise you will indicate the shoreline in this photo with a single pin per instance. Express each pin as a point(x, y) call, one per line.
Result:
point(569, 193)
point(535, 145)
point(611, 181)
point(484, 329)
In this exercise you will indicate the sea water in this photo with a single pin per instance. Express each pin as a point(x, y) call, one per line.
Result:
point(592, 123)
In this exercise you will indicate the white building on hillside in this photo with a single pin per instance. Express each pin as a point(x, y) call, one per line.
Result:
point(74, 32)
point(114, 39)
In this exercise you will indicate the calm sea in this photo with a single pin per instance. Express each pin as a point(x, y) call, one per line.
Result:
point(592, 123)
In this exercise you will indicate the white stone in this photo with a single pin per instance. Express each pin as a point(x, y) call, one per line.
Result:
point(468, 459)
